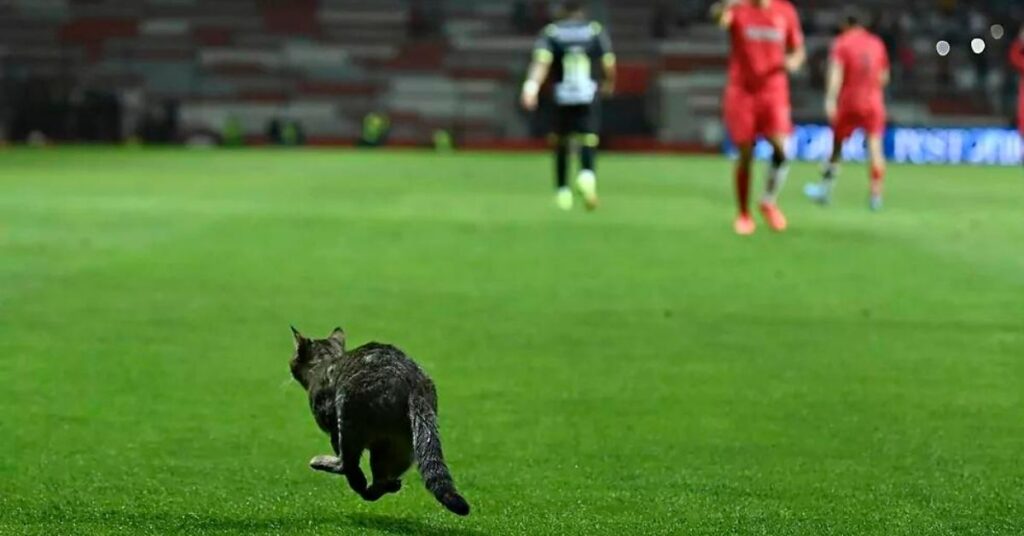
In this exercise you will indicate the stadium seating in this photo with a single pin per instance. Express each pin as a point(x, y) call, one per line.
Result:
point(454, 64)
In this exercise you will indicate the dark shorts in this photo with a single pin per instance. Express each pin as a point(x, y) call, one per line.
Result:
point(577, 119)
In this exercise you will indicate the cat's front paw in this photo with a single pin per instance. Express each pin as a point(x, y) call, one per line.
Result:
point(327, 464)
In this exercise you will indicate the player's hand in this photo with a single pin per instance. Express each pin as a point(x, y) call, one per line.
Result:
point(719, 9)
point(529, 101)
point(530, 96)
point(831, 111)
point(794, 62)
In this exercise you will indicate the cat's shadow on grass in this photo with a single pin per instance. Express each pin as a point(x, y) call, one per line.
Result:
point(200, 524)
point(403, 526)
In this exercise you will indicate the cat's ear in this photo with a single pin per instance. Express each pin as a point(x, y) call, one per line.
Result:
point(299, 339)
point(337, 338)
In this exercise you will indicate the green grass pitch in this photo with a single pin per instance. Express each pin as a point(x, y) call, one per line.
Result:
point(639, 370)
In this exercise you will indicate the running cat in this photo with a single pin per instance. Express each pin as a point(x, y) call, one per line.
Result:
point(378, 399)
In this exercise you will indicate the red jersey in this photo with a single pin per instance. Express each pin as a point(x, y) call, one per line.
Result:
point(1017, 57)
point(863, 59)
point(1017, 60)
point(761, 37)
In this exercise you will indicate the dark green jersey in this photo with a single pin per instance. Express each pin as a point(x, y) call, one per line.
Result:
point(579, 52)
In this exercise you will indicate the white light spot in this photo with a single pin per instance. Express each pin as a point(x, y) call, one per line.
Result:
point(368, 359)
point(997, 31)
point(978, 45)
point(942, 47)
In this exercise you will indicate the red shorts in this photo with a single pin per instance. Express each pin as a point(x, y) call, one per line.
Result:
point(752, 114)
point(848, 120)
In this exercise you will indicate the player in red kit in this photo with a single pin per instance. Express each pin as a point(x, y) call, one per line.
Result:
point(857, 75)
point(1017, 60)
point(767, 43)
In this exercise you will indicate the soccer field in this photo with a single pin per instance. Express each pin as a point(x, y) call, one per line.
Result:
point(639, 370)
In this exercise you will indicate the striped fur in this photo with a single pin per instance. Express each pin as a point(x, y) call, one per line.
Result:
point(374, 398)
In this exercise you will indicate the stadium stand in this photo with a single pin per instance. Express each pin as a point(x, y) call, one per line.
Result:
point(446, 64)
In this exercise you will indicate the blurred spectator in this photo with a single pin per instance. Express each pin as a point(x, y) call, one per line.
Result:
point(375, 130)
point(907, 59)
point(522, 20)
point(233, 134)
point(286, 132)
point(423, 20)
point(541, 15)
point(159, 123)
point(662, 20)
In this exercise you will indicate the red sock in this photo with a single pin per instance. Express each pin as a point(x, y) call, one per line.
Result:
point(877, 176)
point(743, 189)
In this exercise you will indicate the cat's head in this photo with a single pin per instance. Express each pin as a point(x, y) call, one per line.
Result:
point(309, 352)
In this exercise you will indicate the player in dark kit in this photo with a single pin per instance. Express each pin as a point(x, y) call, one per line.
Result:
point(577, 54)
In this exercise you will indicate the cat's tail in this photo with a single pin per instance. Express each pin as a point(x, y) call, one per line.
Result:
point(426, 444)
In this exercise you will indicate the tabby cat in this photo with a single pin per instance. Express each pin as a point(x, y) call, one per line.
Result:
point(378, 399)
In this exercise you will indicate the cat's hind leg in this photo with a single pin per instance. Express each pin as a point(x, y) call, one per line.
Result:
point(350, 455)
point(387, 467)
point(348, 445)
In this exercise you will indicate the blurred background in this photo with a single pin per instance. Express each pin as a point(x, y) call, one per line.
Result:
point(419, 72)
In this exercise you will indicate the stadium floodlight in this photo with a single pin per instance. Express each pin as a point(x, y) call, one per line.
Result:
point(978, 45)
point(997, 31)
point(942, 47)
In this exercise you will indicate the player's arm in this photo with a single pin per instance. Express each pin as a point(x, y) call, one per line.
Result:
point(538, 72)
point(833, 85)
point(722, 14)
point(608, 63)
point(796, 58)
point(886, 75)
point(796, 54)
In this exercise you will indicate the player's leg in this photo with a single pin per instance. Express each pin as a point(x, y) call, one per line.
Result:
point(778, 171)
point(740, 122)
point(874, 126)
point(560, 142)
point(876, 152)
point(586, 181)
point(1020, 119)
point(774, 120)
point(587, 120)
point(821, 192)
point(744, 224)
point(563, 194)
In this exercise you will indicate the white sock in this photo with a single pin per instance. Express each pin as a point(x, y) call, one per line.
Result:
point(776, 180)
point(586, 180)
